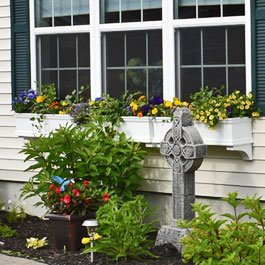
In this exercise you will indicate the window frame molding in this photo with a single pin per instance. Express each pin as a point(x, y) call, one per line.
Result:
point(168, 25)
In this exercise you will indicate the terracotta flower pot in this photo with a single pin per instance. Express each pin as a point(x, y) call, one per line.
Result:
point(68, 230)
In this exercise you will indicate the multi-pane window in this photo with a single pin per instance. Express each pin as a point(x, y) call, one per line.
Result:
point(208, 8)
point(133, 62)
point(212, 56)
point(52, 13)
point(65, 61)
point(115, 11)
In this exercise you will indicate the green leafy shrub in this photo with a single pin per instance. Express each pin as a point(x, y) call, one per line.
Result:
point(7, 231)
point(97, 153)
point(230, 242)
point(16, 213)
point(121, 225)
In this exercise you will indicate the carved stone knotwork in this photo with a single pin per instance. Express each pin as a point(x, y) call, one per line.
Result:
point(184, 150)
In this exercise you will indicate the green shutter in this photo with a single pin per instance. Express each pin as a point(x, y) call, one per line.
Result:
point(20, 50)
point(258, 51)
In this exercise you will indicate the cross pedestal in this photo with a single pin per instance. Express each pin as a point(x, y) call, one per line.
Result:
point(184, 150)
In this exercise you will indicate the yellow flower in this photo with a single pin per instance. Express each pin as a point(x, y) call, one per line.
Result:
point(64, 103)
point(247, 107)
point(61, 112)
point(211, 122)
point(168, 104)
point(216, 110)
point(201, 112)
point(154, 111)
point(241, 107)
point(219, 113)
point(248, 102)
point(250, 95)
point(233, 97)
point(255, 114)
point(97, 236)
point(91, 103)
point(40, 99)
point(197, 117)
point(177, 101)
point(237, 91)
point(85, 240)
point(142, 98)
point(185, 103)
point(202, 118)
point(211, 117)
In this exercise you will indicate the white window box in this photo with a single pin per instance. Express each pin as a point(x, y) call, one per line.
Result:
point(234, 133)
point(26, 127)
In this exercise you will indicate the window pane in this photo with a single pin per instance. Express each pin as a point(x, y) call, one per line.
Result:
point(214, 45)
point(67, 83)
point(190, 82)
point(49, 51)
point(155, 79)
point(67, 48)
point(131, 10)
point(115, 83)
point(62, 12)
point(136, 80)
point(136, 48)
point(43, 13)
point(84, 80)
point(83, 50)
point(209, 8)
point(110, 11)
point(190, 46)
point(155, 47)
point(152, 10)
point(49, 77)
point(115, 49)
point(237, 79)
point(236, 45)
point(233, 8)
point(214, 77)
point(185, 8)
point(81, 12)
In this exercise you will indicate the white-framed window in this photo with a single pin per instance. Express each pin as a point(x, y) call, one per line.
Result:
point(161, 47)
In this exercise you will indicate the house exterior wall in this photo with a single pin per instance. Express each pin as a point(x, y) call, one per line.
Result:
point(221, 172)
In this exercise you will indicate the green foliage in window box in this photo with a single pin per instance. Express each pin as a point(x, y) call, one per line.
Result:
point(123, 228)
point(96, 153)
point(234, 241)
point(210, 106)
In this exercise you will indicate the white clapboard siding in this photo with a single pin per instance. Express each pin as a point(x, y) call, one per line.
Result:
point(5, 66)
point(5, 54)
point(162, 174)
point(4, 11)
point(5, 87)
point(11, 142)
point(11, 153)
point(5, 109)
point(7, 120)
point(5, 44)
point(4, 22)
point(4, 3)
point(15, 175)
point(14, 164)
point(5, 34)
point(5, 76)
point(156, 186)
point(258, 125)
point(7, 131)
point(5, 99)
point(259, 139)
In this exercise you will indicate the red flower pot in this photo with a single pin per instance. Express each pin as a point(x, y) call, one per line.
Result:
point(68, 230)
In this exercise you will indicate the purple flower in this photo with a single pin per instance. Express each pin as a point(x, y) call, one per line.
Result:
point(97, 99)
point(23, 94)
point(26, 102)
point(172, 110)
point(128, 109)
point(146, 108)
point(229, 110)
point(31, 96)
point(31, 91)
point(19, 100)
point(156, 100)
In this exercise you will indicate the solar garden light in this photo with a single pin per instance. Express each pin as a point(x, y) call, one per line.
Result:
point(91, 226)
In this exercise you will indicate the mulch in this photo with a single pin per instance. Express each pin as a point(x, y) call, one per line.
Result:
point(36, 227)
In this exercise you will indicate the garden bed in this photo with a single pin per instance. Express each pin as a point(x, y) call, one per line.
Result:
point(35, 227)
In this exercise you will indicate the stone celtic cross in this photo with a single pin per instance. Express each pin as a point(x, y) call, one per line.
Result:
point(184, 150)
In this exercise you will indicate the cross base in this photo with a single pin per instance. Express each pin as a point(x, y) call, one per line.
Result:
point(170, 234)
